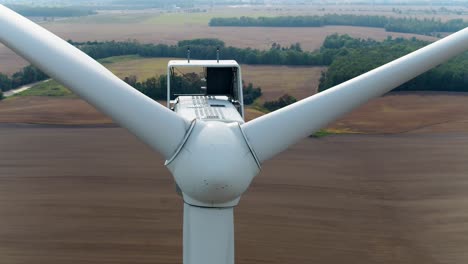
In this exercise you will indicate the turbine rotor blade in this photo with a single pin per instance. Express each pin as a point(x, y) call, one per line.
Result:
point(208, 235)
point(276, 131)
point(154, 124)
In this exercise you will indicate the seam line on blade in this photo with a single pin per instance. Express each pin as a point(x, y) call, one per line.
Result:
point(208, 207)
point(250, 147)
point(181, 145)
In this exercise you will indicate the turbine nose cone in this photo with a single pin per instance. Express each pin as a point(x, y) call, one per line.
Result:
point(215, 165)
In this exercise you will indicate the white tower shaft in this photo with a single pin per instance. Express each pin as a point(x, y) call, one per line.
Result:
point(208, 235)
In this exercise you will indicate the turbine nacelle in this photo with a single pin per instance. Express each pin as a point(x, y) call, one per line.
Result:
point(218, 164)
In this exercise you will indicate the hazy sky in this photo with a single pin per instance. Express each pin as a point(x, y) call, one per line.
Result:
point(103, 1)
point(58, 2)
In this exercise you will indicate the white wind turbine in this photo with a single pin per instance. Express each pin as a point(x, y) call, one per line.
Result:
point(212, 162)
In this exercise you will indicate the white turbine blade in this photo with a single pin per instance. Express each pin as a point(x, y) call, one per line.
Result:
point(154, 124)
point(208, 235)
point(274, 132)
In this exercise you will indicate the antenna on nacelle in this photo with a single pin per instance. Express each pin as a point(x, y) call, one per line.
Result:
point(217, 54)
point(188, 54)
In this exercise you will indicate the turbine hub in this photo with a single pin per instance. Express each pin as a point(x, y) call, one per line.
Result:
point(214, 165)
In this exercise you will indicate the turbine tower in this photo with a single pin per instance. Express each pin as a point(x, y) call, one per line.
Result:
point(212, 162)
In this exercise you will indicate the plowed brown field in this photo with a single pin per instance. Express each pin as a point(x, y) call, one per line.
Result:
point(97, 195)
point(400, 112)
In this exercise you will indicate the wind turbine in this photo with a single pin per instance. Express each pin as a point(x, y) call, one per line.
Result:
point(212, 162)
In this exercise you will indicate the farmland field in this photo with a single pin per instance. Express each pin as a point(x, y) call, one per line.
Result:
point(154, 27)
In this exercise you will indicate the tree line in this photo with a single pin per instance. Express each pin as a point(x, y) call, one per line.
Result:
point(27, 75)
point(45, 11)
point(190, 83)
point(346, 56)
point(358, 57)
point(205, 49)
point(292, 55)
point(156, 87)
point(406, 25)
point(199, 49)
point(281, 102)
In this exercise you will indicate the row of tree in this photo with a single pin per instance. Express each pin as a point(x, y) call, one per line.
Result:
point(281, 102)
point(407, 25)
point(28, 74)
point(205, 49)
point(45, 11)
point(250, 93)
point(358, 57)
point(346, 56)
point(156, 87)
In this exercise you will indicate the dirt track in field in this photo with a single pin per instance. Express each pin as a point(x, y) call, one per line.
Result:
point(97, 195)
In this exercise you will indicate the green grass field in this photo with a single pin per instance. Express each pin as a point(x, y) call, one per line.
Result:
point(148, 18)
point(201, 18)
point(166, 17)
point(181, 19)
point(332, 131)
point(118, 59)
point(143, 68)
point(49, 88)
point(109, 19)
